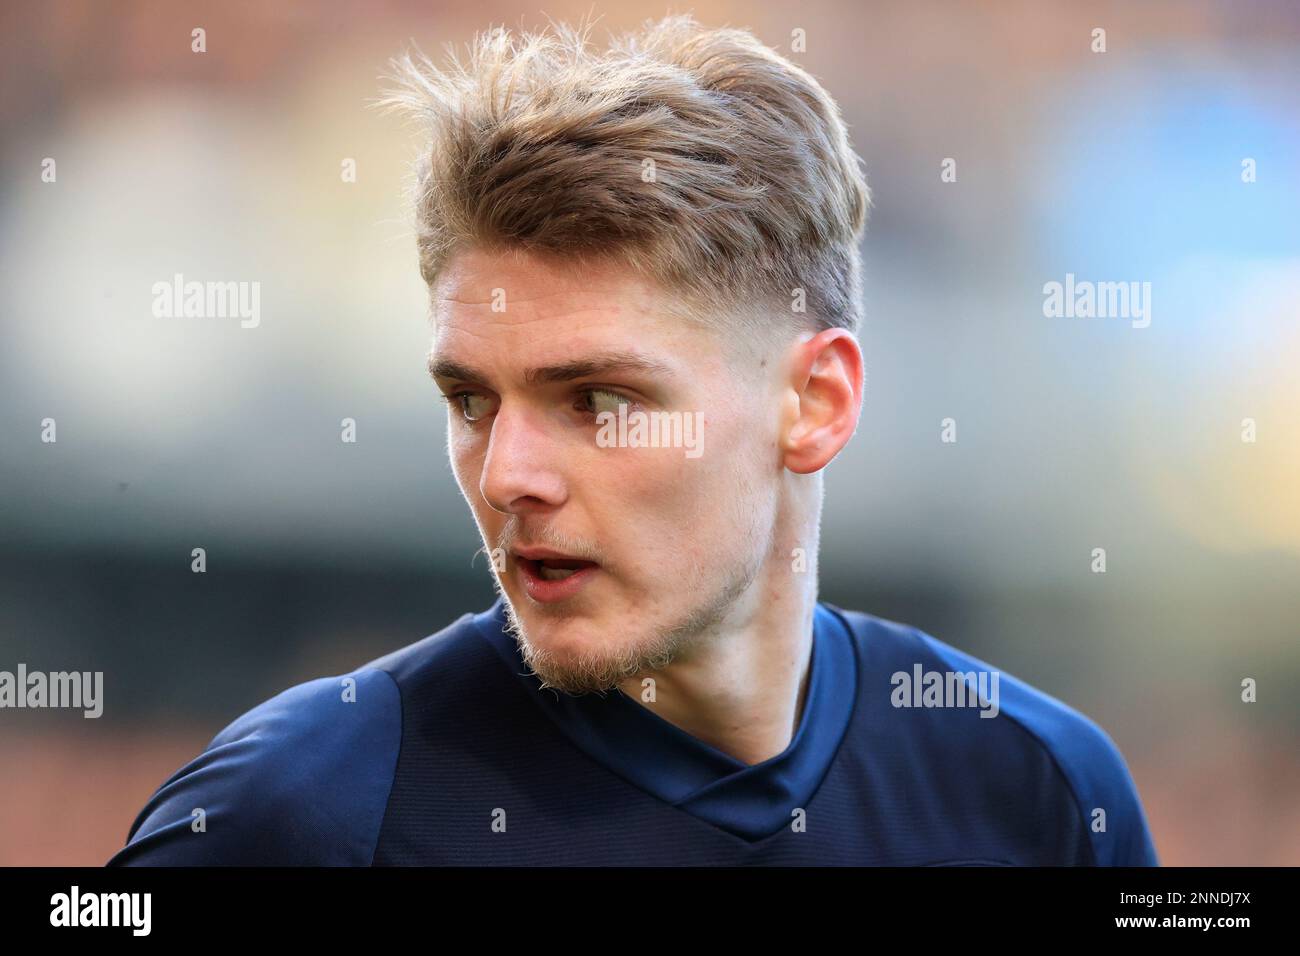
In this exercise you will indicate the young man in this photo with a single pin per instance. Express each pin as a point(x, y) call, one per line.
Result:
point(645, 285)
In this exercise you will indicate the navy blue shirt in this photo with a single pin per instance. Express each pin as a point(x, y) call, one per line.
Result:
point(449, 752)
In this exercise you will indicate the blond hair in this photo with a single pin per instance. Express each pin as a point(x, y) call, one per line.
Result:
point(699, 158)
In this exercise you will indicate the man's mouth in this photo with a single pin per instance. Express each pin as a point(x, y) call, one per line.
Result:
point(549, 576)
point(557, 569)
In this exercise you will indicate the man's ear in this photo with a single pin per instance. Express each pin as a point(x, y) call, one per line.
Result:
point(823, 400)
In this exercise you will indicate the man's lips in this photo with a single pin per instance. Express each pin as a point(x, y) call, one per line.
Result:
point(550, 575)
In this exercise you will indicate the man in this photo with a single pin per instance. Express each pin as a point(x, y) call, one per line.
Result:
point(645, 284)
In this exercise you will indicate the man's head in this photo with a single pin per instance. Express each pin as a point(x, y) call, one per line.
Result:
point(665, 234)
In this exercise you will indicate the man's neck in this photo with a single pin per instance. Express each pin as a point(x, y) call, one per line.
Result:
point(744, 691)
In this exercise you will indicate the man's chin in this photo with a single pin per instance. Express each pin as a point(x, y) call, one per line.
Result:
point(568, 677)
point(575, 655)
point(565, 653)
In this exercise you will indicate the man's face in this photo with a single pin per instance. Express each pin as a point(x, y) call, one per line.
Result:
point(615, 558)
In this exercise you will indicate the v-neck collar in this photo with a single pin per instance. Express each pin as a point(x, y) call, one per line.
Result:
point(749, 801)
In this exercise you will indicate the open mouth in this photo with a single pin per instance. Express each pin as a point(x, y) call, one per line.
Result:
point(551, 577)
point(557, 569)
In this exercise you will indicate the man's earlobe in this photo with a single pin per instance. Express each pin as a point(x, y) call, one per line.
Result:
point(826, 391)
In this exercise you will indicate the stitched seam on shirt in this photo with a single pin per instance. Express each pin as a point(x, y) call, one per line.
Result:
point(397, 763)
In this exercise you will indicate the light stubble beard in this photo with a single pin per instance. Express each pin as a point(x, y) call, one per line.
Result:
point(600, 672)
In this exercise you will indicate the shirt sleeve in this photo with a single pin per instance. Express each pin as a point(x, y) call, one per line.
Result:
point(301, 780)
point(1107, 796)
point(1092, 766)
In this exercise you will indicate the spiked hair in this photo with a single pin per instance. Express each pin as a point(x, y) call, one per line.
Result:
point(700, 158)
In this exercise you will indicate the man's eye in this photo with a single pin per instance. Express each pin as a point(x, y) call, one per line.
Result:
point(597, 400)
point(473, 407)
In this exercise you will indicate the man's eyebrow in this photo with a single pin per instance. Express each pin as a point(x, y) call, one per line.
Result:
point(601, 364)
point(446, 368)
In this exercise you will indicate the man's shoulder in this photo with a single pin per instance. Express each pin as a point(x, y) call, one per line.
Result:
point(1087, 758)
point(455, 653)
point(303, 778)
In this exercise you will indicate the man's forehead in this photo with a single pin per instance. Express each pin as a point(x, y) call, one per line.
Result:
point(524, 301)
point(479, 278)
point(521, 310)
point(618, 337)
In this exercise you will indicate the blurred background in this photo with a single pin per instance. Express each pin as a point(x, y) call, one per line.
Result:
point(1072, 434)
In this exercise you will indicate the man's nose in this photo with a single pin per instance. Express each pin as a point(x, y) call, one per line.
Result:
point(521, 471)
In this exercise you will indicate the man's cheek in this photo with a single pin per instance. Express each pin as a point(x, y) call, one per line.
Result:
point(680, 493)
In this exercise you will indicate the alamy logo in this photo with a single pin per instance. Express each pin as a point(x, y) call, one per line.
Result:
point(922, 688)
point(102, 909)
point(1100, 300)
point(638, 429)
point(179, 299)
point(75, 689)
